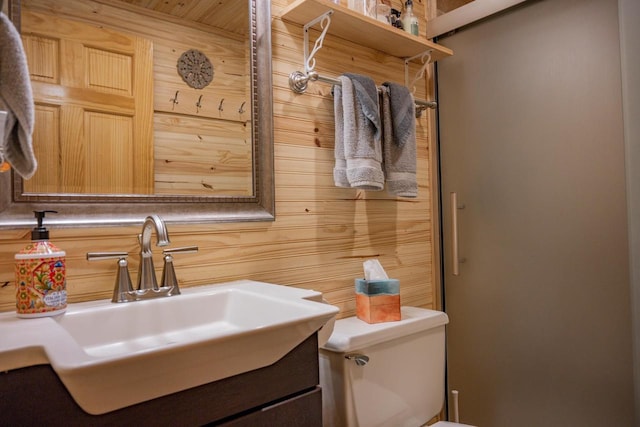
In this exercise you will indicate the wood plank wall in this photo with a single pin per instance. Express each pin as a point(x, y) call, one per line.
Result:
point(321, 235)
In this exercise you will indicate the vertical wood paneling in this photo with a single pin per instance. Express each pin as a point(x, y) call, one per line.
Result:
point(48, 155)
point(108, 141)
point(43, 53)
point(321, 235)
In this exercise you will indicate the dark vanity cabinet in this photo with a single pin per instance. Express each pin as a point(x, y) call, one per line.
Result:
point(283, 394)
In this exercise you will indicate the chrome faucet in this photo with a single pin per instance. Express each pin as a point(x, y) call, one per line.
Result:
point(146, 271)
point(147, 283)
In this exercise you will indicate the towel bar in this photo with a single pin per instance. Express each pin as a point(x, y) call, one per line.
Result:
point(299, 81)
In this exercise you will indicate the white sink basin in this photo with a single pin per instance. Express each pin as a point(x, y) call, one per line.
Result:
point(114, 355)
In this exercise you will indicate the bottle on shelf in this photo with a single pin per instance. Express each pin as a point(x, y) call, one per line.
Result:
point(409, 20)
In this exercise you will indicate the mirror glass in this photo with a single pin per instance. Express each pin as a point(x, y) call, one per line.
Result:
point(146, 107)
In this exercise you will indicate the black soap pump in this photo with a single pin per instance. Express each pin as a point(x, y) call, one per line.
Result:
point(41, 285)
point(40, 232)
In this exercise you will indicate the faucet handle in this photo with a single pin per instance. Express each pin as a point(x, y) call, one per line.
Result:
point(123, 286)
point(183, 250)
point(99, 256)
point(169, 279)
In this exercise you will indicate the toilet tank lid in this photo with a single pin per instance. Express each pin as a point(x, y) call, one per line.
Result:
point(351, 333)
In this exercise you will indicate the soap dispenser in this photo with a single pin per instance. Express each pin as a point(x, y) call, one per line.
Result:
point(41, 286)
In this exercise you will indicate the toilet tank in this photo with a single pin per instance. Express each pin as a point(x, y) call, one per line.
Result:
point(385, 374)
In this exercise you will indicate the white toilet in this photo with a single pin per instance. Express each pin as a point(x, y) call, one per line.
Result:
point(385, 374)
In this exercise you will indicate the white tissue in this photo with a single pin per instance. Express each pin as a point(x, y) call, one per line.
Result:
point(373, 270)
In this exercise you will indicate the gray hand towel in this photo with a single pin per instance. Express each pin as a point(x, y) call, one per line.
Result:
point(362, 132)
point(16, 99)
point(399, 140)
point(340, 168)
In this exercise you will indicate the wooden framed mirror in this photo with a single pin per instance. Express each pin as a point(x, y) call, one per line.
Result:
point(187, 125)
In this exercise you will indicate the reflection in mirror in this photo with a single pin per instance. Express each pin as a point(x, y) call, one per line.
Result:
point(147, 107)
point(107, 134)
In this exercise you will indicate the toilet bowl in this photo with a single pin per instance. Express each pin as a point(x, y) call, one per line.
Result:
point(387, 374)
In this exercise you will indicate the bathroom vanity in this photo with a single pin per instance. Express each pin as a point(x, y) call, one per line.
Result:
point(283, 394)
point(233, 354)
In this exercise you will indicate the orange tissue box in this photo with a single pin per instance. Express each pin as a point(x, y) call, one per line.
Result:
point(378, 301)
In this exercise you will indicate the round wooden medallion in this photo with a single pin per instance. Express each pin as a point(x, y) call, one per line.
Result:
point(195, 69)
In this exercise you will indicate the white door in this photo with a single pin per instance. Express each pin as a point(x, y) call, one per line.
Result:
point(531, 142)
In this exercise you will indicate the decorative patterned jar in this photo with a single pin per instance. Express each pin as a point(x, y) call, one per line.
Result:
point(41, 286)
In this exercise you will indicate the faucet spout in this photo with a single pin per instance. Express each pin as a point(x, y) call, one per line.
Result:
point(146, 271)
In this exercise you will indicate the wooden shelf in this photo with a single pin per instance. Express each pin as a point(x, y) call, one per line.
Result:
point(358, 28)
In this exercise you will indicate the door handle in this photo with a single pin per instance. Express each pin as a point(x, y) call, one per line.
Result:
point(455, 256)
